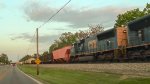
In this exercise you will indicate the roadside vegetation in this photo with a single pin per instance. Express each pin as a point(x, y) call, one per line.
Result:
point(65, 76)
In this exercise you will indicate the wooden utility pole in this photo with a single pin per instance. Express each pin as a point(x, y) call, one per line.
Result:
point(37, 56)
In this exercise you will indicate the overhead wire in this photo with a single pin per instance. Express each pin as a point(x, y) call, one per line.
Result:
point(30, 43)
point(55, 14)
point(29, 46)
point(46, 23)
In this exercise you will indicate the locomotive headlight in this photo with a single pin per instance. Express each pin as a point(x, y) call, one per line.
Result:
point(124, 31)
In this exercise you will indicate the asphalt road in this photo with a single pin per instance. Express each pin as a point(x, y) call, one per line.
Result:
point(12, 75)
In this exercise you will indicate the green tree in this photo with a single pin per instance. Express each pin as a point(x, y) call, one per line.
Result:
point(45, 57)
point(26, 57)
point(65, 39)
point(4, 58)
point(146, 10)
point(128, 16)
point(69, 38)
point(123, 19)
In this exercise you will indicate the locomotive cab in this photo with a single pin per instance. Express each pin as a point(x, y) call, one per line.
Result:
point(139, 31)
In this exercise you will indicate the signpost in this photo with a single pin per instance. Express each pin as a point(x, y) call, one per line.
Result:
point(37, 61)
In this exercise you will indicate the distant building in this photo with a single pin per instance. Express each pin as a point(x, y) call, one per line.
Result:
point(19, 63)
point(30, 60)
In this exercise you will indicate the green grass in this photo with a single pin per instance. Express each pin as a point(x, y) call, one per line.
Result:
point(64, 76)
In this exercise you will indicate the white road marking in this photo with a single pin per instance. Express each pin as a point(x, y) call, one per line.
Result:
point(38, 82)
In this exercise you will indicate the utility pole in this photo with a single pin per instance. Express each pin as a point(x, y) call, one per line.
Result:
point(37, 56)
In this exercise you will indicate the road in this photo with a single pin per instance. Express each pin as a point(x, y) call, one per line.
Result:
point(12, 75)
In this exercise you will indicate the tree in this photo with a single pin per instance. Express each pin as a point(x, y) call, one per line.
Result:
point(146, 10)
point(4, 58)
point(128, 16)
point(69, 38)
point(94, 29)
point(123, 19)
point(65, 39)
point(26, 57)
point(45, 57)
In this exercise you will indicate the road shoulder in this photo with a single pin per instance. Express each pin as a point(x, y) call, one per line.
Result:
point(38, 82)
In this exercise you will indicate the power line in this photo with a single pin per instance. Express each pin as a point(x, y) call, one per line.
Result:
point(29, 45)
point(31, 42)
point(47, 22)
point(55, 14)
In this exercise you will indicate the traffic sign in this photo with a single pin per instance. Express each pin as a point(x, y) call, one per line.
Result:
point(37, 61)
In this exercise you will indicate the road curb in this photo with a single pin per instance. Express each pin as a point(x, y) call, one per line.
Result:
point(38, 82)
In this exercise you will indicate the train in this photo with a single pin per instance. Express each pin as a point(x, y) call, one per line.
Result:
point(125, 43)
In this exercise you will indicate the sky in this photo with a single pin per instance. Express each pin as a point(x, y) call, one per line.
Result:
point(20, 18)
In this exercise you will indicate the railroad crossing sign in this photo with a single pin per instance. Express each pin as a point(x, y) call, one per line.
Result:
point(38, 61)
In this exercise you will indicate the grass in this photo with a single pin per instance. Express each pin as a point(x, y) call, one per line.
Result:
point(64, 76)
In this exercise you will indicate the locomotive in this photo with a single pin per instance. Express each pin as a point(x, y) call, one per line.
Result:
point(116, 44)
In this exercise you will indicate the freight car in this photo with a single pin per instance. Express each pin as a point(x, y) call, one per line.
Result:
point(116, 44)
point(61, 55)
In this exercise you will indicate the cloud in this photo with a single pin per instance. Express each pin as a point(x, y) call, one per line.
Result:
point(30, 38)
point(24, 36)
point(38, 12)
point(2, 5)
point(77, 18)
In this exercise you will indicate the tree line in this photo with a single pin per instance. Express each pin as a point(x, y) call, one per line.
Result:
point(69, 38)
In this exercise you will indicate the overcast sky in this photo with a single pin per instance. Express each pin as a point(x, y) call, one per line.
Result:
point(20, 18)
